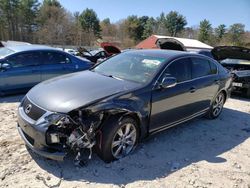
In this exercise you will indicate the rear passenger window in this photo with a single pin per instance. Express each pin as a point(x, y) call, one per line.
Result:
point(55, 58)
point(180, 69)
point(200, 67)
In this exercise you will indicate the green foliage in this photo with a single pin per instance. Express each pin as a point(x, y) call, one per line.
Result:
point(235, 33)
point(106, 21)
point(54, 24)
point(135, 27)
point(54, 3)
point(175, 23)
point(205, 31)
point(149, 28)
point(161, 25)
point(28, 14)
point(18, 16)
point(220, 31)
point(90, 22)
point(108, 29)
point(50, 23)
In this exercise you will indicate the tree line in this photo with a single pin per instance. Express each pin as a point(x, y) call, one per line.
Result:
point(50, 23)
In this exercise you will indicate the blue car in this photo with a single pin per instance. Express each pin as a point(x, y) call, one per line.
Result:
point(22, 67)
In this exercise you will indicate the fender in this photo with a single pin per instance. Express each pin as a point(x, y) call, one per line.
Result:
point(138, 109)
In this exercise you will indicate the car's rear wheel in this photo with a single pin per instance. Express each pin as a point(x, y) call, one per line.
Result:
point(118, 139)
point(217, 106)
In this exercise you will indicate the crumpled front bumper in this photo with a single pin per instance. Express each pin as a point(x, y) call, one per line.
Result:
point(35, 137)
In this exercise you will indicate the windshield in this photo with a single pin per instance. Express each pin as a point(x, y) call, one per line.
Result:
point(5, 51)
point(236, 61)
point(133, 67)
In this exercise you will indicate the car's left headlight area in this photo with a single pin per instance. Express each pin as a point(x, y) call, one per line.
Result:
point(53, 135)
point(75, 131)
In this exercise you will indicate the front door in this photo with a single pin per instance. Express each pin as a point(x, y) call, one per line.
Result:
point(24, 72)
point(173, 104)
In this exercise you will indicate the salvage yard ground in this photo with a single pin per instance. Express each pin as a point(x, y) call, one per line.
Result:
point(200, 153)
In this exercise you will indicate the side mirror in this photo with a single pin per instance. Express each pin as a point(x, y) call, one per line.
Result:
point(168, 82)
point(5, 66)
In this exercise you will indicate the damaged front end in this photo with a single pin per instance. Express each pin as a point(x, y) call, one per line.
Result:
point(74, 132)
point(53, 135)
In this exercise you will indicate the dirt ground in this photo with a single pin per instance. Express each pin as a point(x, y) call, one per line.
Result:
point(200, 153)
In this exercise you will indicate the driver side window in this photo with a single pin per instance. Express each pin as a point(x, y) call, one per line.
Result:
point(179, 69)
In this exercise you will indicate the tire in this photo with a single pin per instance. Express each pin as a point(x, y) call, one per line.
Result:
point(217, 106)
point(114, 133)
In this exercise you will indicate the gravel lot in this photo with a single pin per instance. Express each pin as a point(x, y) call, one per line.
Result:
point(200, 153)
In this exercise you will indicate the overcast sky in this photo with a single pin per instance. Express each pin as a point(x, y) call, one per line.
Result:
point(216, 11)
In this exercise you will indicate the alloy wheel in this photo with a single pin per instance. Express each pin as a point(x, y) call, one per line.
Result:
point(218, 104)
point(124, 140)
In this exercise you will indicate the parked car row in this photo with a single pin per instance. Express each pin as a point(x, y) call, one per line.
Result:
point(111, 106)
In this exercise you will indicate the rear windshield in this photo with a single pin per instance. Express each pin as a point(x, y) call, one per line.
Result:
point(5, 52)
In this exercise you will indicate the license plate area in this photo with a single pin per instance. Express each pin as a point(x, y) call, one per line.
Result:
point(235, 84)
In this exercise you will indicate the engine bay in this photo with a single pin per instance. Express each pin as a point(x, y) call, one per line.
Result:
point(76, 133)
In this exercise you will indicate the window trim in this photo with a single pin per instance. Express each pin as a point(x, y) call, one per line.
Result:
point(192, 79)
point(176, 61)
point(217, 69)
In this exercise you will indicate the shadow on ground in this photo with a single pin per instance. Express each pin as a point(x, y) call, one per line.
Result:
point(240, 97)
point(178, 147)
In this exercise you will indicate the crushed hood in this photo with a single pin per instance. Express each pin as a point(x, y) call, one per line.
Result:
point(230, 52)
point(66, 93)
point(110, 48)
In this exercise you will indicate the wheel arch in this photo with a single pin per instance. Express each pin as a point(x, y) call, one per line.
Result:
point(224, 93)
point(121, 114)
point(220, 91)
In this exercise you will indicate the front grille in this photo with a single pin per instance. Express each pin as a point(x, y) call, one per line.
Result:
point(31, 110)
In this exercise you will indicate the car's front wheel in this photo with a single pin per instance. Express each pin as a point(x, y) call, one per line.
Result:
point(217, 106)
point(118, 139)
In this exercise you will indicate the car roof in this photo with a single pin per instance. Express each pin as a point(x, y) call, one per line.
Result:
point(23, 48)
point(168, 54)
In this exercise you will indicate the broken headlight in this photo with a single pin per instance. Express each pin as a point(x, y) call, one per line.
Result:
point(55, 118)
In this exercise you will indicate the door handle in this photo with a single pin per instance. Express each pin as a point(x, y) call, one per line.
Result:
point(192, 89)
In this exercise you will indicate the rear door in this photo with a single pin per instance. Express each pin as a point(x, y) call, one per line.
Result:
point(55, 64)
point(206, 82)
point(24, 72)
